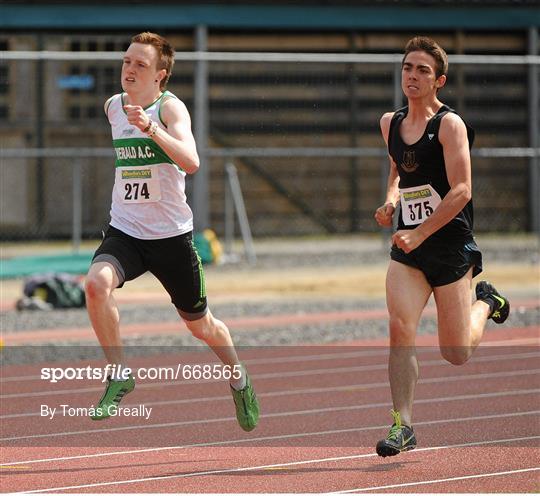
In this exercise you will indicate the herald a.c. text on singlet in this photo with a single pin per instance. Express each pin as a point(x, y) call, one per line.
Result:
point(139, 151)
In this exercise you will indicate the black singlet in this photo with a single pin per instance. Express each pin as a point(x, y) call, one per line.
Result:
point(422, 163)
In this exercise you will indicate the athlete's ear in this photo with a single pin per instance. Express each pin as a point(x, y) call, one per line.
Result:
point(440, 81)
point(161, 75)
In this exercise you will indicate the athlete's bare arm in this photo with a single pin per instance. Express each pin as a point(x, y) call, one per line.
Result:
point(178, 141)
point(453, 137)
point(384, 214)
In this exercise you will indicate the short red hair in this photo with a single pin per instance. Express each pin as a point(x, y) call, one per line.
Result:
point(164, 49)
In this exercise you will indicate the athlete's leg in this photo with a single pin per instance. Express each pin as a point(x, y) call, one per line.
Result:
point(179, 268)
point(116, 260)
point(215, 334)
point(407, 292)
point(460, 326)
point(102, 309)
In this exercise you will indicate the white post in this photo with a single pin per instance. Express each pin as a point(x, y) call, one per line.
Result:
point(201, 202)
point(534, 131)
point(234, 184)
point(76, 233)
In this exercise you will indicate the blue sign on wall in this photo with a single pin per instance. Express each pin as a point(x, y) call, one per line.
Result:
point(76, 82)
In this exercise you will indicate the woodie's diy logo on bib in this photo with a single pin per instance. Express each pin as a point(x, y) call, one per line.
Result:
point(137, 174)
point(418, 194)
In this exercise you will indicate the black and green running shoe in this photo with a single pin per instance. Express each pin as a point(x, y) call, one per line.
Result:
point(499, 305)
point(114, 392)
point(400, 438)
point(247, 406)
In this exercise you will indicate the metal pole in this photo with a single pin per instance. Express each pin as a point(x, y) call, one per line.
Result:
point(77, 206)
point(229, 216)
point(354, 221)
point(201, 179)
point(40, 124)
point(534, 163)
point(397, 101)
point(240, 208)
point(398, 92)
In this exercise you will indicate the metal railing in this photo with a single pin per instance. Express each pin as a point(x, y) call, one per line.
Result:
point(202, 60)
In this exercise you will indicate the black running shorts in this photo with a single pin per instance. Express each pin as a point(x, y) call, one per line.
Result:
point(442, 263)
point(174, 261)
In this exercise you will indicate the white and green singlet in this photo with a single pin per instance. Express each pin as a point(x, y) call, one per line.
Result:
point(148, 199)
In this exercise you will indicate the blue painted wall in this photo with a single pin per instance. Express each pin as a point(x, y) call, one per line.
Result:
point(270, 17)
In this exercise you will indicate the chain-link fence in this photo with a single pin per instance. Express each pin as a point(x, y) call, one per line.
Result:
point(302, 130)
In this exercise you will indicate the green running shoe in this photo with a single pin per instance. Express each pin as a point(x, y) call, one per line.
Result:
point(112, 396)
point(400, 438)
point(247, 405)
point(499, 305)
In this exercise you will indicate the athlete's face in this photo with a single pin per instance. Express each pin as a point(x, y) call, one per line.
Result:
point(418, 77)
point(139, 69)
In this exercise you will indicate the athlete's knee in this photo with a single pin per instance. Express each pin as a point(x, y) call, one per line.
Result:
point(198, 329)
point(401, 332)
point(456, 355)
point(203, 328)
point(208, 329)
point(97, 286)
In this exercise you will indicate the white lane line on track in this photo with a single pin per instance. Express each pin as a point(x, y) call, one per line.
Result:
point(515, 342)
point(438, 481)
point(145, 450)
point(266, 438)
point(323, 356)
point(295, 392)
point(349, 388)
point(273, 415)
point(264, 361)
point(273, 375)
point(275, 465)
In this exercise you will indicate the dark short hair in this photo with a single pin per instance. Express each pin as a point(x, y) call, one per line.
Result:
point(164, 49)
point(425, 44)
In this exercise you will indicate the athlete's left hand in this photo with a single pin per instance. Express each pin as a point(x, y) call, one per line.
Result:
point(407, 239)
point(136, 116)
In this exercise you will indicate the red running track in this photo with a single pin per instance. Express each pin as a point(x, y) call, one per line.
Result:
point(324, 408)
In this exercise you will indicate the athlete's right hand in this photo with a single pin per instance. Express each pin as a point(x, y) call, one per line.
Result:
point(136, 116)
point(384, 214)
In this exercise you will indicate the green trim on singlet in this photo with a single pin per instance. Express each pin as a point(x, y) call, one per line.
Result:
point(147, 107)
point(122, 102)
point(132, 152)
point(108, 102)
point(169, 94)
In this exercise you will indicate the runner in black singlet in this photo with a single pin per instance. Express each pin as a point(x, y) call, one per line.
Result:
point(433, 249)
point(447, 254)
